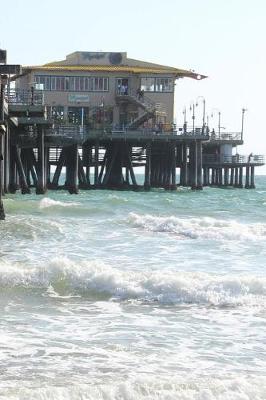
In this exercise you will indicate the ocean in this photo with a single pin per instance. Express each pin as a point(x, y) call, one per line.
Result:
point(134, 295)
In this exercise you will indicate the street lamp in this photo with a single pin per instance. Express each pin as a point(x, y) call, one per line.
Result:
point(192, 108)
point(242, 122)
point(219, 120)
point(204, 110)
point(102, 105)
point(185, 120)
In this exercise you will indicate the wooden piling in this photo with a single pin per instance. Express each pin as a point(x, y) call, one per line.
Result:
point(247, 184)
point(252, 177)
point(41, 169)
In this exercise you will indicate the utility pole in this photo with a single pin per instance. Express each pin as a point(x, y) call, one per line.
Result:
point(242, 122)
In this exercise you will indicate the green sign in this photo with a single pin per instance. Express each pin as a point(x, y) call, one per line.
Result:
point(78, 98)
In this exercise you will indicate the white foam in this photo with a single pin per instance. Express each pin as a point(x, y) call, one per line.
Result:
point(152, 388)
point(46, 202)
point(65, 277)
point(200, 228)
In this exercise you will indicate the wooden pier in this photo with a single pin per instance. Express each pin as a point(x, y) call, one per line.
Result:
point(37, 154)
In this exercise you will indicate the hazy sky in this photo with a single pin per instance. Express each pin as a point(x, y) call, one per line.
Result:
point(224, 39)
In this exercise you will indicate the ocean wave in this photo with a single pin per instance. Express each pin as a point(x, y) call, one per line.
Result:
point(236, 388)
point(46, 202)
point(63, 277)
point(199, 228)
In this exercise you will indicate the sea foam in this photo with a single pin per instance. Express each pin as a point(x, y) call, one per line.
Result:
point(199, 228)
point(150, 389)
point(46, 202)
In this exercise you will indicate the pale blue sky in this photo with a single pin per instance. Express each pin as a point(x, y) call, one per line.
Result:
point(224, 39)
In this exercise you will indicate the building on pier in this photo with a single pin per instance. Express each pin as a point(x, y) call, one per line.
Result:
point(106, 90)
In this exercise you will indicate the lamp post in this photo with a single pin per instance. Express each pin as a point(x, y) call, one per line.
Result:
point(102, 105)
point(242, 122)
point(192, 108)
point(185, 120)
point(204, 110)
point(219, 120)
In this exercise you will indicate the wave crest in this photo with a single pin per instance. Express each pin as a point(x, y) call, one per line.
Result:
point(200, 228)
point(62, 277)
point(46, 202)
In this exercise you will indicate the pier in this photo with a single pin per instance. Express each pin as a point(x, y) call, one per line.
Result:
point(43, 150)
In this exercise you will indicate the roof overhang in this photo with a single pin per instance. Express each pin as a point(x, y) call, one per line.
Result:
point(178, 73)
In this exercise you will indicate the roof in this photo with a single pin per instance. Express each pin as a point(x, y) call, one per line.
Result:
point(110, 62)
point(179, 73)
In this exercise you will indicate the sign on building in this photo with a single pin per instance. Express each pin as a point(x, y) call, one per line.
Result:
point(78, 98)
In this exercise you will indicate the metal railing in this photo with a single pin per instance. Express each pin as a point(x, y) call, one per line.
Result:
point(226, 136)
point(24, 97)
point(234, 159)
point(69, 131)
point(142, 99)
point(78, 131)
point(192, 131)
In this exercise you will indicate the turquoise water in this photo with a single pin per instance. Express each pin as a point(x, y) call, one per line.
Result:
point(134, 295)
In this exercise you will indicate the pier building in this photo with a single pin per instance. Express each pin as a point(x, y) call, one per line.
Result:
point(97, 116)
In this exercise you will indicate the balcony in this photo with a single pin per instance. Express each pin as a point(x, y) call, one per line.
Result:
point(226, 136)
point(24, 97)
point(213, 159)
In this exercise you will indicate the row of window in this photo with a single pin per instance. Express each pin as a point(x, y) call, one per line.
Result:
point(98, 84)
point(157, 84)
point(72, 83)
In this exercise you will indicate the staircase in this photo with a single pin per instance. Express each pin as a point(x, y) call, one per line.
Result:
point(149, 108)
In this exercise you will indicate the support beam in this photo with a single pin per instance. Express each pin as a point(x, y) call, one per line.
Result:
point(198, 170)
point(172, 169)
point(96, 163)
point(226, 176)
point(192, 166)
point(247, 184)
point(58, 170)
point(147, 181)
point(232, 176)
point(240, 180)
point(72, 169)
point(41, 170)
point(252, 177)
point(22, 177)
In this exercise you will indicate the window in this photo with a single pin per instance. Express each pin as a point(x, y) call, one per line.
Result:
point(73, 83)
point(99, 84)
point(53, 87)
point(150, 84)
point(164, 85)
point(44, 81)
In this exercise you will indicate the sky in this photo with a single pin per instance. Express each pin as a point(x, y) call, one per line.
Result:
point(223, 39)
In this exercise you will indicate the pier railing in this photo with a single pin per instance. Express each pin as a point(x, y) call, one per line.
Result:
point(25, 97)
point(226, 136)
point(84, 132)
point(234, 159)
point(69, 131)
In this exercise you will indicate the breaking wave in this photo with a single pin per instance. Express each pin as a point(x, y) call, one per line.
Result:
point(200, 228)
point(204, 389)
point(63, 277)
point(46, 202)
